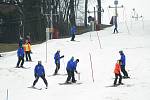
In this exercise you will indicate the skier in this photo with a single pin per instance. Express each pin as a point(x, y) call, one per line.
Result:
point(117, 73)
point(20, 54)
point(39, 72)
point(115, 23)
point(73, 32)
point(71, 68)
point(123, 63)
point(57, 58)
point(27, 49)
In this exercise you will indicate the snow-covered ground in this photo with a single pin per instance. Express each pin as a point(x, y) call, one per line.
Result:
point(135, 44)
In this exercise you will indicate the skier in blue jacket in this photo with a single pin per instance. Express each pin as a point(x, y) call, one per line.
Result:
point(73, 32)
point(71, 68)
point(20, 54)
point(57, 58)
point(123, 64)
point(39, 72)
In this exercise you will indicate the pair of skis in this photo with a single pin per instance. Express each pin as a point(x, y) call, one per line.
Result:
point(126, 85)
point(70, 83)
point(36, 88)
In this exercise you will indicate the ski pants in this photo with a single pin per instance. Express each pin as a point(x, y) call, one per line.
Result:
point(116, 77)
point(28, 57)
point(124, 71)
point(115, 29)
point(37, 78)
point(57, 68)
point(73, 37)
point(70, 75)
point(20, 59)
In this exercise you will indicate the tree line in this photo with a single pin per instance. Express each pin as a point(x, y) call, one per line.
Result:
point(31, 17)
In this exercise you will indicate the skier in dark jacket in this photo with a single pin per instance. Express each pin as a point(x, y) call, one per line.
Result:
point(123, 63)
point(73, 32)
point(71, 68)
point(115, 24)
point(39, 72)
point(20, 54)
point(57, 58)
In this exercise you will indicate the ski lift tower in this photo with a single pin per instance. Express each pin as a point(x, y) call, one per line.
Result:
point(114, 18)
point(135, 15)
point(116, 7)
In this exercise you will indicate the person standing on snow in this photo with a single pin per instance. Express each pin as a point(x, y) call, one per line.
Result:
point(118, 73)
point(73, 32)
point(123, 63)
point(71, 68)
point(27, 49)
point(115, 24)
point(57, 58)
point(20, 54)
point(39, 72)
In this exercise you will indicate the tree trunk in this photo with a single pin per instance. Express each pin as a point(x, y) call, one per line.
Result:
point(99, 11)
point(85, 18)
point(72, 13)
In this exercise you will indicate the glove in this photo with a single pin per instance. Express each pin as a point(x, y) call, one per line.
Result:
point(62, 56)
point(76, 71)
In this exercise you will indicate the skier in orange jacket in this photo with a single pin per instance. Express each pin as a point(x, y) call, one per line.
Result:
point(27, 49)
point(117, 73)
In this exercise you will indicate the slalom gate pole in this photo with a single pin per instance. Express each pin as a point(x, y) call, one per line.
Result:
point(99, 40)
point(78, 76)
point(91, 67)
point(143, 22)
point(64, 65)
point(7, 95)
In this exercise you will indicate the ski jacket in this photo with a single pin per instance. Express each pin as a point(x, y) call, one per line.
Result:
point(71, 65)
point(117, 69)
point(39, 70)
point(27, 47)
point(123, 59)
point(20, 52)
point(57, 57)
point(73, 30)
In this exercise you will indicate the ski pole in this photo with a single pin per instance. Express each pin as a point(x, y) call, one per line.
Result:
point(78, 76)
point(7, 95)
point(64, 65)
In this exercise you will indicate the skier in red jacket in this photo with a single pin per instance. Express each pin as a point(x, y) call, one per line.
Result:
point(117, 73)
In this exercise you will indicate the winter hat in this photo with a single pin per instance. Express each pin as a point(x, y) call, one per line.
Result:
point(77, 60)
point(72, 58)
point(120, 51)
point(58, 50)
point(39, 62)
